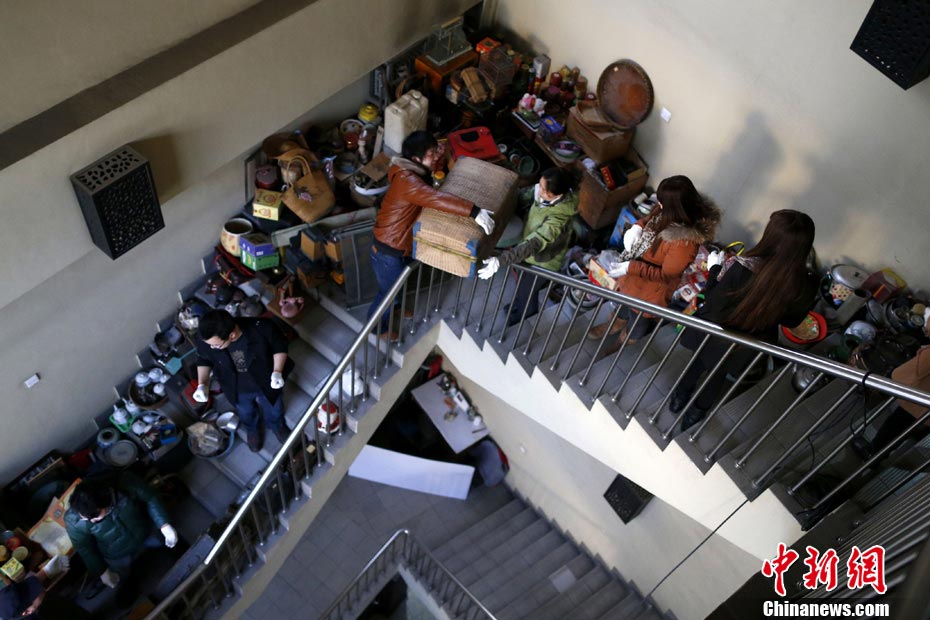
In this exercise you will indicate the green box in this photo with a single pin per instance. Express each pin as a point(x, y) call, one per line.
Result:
point(257, 263)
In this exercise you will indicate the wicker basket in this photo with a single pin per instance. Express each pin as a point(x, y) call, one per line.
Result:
point(454, 243)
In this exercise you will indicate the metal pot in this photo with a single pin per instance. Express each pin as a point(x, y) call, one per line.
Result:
point(842, 281)
point(803, 377)
point(228, 421)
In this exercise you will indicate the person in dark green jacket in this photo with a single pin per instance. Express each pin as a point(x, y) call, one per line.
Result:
point(109, 522)
point(547, 236)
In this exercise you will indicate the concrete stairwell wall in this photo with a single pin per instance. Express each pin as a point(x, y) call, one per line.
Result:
point(66, 310)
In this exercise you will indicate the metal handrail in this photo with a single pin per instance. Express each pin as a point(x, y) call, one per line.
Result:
point(663, 314)
point(272, 468)
point(410, 544)
point(834, 369)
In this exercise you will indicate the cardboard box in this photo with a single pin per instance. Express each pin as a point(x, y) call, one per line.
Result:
point(267, 204)
point(599, 206)
point(312, 273)
point(311, 244)
point(257, 263)
point(333, 250)
point(257, 244)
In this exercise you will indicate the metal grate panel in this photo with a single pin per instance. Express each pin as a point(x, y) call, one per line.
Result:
point(895, 39)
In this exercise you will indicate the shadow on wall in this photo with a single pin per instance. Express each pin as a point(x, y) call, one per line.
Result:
point(747, 166)
point(162, 153)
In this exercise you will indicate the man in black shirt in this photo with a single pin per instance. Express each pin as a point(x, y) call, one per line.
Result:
point(248, 357)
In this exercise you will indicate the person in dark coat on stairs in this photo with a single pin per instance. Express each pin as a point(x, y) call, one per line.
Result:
point(769, 285)
point(249, 358)
point(110, 522)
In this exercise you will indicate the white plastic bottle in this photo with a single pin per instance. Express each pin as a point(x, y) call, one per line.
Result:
point(403, 117)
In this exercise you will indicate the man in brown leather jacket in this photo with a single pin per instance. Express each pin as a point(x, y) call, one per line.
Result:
point(410, 191)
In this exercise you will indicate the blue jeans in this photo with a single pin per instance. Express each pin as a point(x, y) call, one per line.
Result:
point(387, 269)
point(253, 405)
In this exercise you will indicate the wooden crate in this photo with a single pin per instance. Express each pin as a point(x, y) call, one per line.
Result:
point(599, 206)
point(601, 145)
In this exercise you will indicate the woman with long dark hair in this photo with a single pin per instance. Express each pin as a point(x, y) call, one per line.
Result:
point(658, 249)
point(768, 286)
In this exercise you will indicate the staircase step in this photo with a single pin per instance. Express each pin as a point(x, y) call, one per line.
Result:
point(485, 315)
point(576, 346)
point(547, 590)
point(212, 488)
point(791, 428)
point(326, 333)
point(631, 606)
point(726, 419)
point(491, 551)
point(642, 401)
point(601, 601)
point(495, 522)
point(570, 600)
point(539, 574)
point(311, 369)
point(241, 464)
point(523, 558)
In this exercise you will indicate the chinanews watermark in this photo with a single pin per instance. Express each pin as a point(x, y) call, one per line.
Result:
point(865, 568)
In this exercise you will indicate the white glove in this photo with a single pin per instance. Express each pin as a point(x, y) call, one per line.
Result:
point(491, 265)
point(621, 270)
point(200, 394)
point(715, 258)
point(485, 221)
point(57, 566)
point(170, 534)
point(109, 578)
point(277, 380)
point(632, 236)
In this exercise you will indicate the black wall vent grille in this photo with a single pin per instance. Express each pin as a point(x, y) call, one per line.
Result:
point(117, 196)
point(895, 39)
point(626, 498)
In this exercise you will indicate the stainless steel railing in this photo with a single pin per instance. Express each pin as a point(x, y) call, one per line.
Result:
point(403, 549)
point(255, 521)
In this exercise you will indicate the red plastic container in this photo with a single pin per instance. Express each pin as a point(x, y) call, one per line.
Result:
point(474, 142)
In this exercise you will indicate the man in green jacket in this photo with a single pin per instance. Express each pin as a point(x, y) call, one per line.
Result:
point(547, 236)
point(110, 524)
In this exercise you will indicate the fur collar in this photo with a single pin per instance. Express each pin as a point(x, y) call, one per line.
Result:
point(702, 231)
point(406, 164)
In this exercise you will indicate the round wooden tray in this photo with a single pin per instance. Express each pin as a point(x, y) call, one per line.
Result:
point(624, 93)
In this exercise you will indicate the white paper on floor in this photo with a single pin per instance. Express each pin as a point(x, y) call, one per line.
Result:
point(412, 472)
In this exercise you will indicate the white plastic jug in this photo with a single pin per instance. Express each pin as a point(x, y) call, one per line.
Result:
point(403, 117)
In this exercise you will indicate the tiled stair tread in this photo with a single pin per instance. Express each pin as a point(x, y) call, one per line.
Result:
point(325, 333)
point(795, 425)
point(659, 388)
point(728, 416)
point(476, 544)
point(575, 340)
point(492, 550)
point(311, 369)
point(522, 557)
point(463, 539)
point(490, 530)
point(210, 486)
point(618, 372)
point(544, 592)
point(564, 605)
point(537, 576)
point(629, 607)
point(885, 480)
point(601, 601)
point(191, 518)
point(241, 464)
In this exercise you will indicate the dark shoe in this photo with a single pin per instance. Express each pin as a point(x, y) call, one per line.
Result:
point(678, 401)
point(692, 417)
point(863, 448)
point(282, 432)
point(255, 441)
point(598, 332)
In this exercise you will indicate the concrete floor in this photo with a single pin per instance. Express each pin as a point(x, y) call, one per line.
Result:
point(354, 524)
